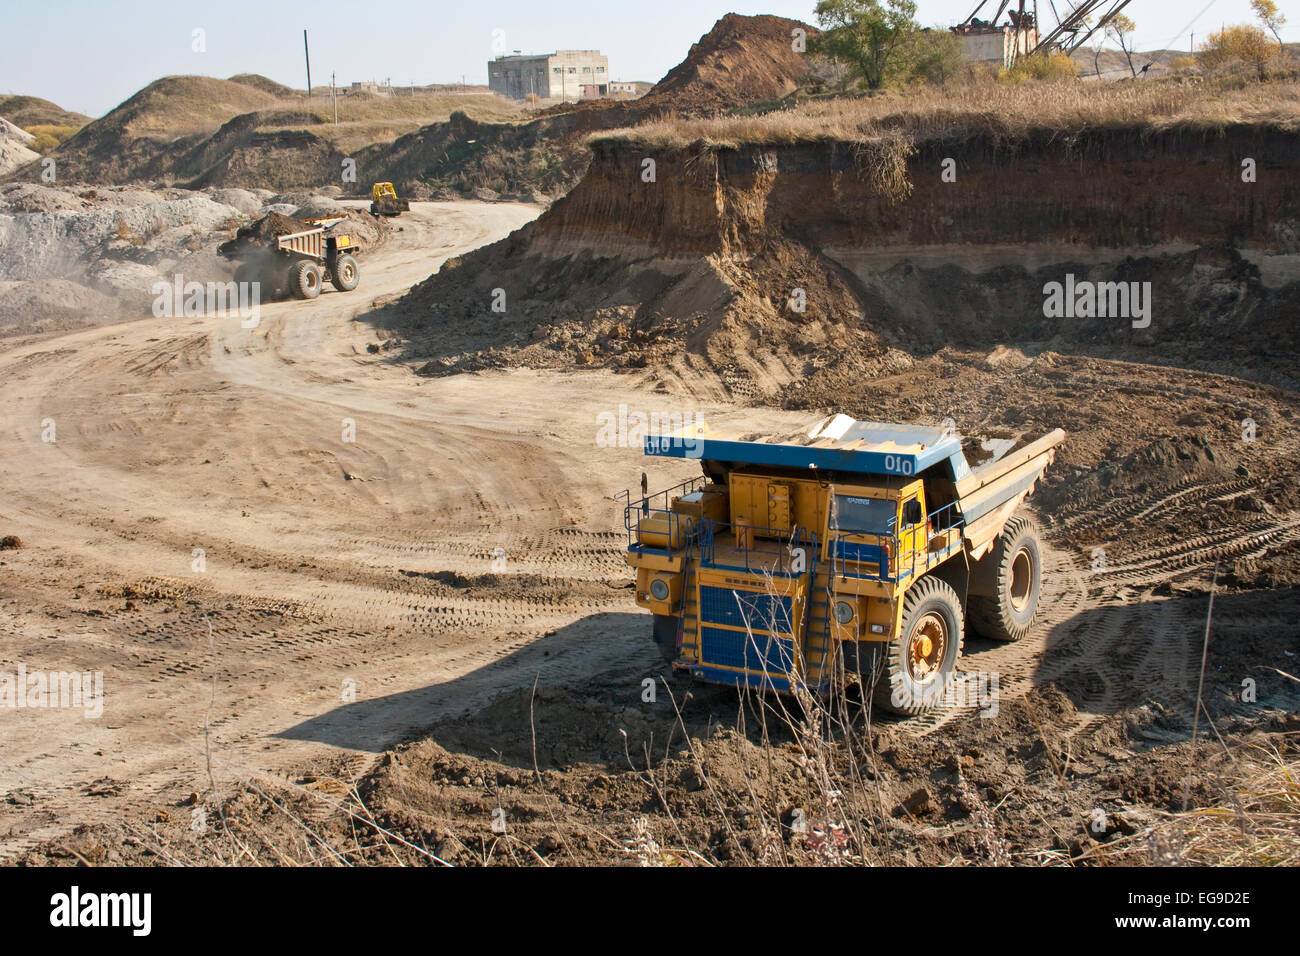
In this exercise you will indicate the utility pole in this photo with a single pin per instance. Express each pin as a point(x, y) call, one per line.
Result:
point(307, 53)
point(334, 100)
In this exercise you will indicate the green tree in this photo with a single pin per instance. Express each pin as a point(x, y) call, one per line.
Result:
point(935, 56)
point(872, 37)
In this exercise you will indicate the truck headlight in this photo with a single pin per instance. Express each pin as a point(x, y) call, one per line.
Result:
point(659, 589)
point(843, 612)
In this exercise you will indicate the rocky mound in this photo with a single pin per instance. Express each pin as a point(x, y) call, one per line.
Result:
point(15, 151)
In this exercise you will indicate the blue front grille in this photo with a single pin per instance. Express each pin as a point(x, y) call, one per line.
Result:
point(759, 612)
point(738, 649)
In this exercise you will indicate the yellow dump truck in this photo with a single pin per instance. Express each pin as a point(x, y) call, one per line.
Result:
point(296, 262)
point(858, 550)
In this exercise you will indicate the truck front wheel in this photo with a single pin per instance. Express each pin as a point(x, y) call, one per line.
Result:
point(344, 273)
point(917, 667)
point(1017, 574)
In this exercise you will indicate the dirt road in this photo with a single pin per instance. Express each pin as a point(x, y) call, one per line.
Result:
point(206, 530)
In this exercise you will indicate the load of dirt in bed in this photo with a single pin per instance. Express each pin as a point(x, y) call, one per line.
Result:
point(262, 234)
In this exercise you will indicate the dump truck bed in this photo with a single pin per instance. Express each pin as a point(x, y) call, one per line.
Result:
point(986, 496)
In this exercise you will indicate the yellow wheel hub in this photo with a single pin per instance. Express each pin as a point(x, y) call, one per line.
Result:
point(927, 647)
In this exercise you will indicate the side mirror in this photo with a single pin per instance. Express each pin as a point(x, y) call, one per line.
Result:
point(912, 512)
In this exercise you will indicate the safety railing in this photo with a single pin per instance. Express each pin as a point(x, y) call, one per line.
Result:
point(750, 548)
point(652, 516)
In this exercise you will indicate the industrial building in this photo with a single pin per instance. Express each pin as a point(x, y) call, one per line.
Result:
point(564, 74)
point(629, 89)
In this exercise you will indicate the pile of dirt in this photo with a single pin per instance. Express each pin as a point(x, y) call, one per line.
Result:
point(740, 62)
point(270, 227)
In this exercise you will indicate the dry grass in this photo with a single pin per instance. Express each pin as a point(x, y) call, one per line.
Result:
point(1255, 822)
point(364, 120)
point(986, 108)
point(180, 105)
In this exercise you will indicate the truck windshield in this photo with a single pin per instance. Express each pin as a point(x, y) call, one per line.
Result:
point(864, 515)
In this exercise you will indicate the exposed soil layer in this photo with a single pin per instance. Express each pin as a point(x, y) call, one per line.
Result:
point(775, 265)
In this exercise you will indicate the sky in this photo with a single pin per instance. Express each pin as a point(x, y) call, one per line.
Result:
point(89, 56)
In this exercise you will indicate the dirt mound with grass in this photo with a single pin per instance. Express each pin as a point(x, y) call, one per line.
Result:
point(141, 138)
point(266, 85)
point(28, 111)
point(248, 131)
point(740, 62)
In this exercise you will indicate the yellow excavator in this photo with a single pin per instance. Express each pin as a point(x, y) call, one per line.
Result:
point(384, 201)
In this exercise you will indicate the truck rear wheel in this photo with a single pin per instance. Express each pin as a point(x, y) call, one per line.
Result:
point(345, 274)
point(1017, 572)
point(917, 667)
point(305, 279)
point(665, 633)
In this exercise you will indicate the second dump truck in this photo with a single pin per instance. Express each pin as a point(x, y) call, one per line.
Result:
point(860, 549)
point(289, 259)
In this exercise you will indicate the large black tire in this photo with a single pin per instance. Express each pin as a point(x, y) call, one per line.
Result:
point(665, 634)
point(1017, 572)
point(917, 667)
point(345, 275)
point(305, 279)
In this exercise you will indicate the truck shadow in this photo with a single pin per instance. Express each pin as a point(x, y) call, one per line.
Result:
point(614, 648)
point(578, 694)
point(1143, 659)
